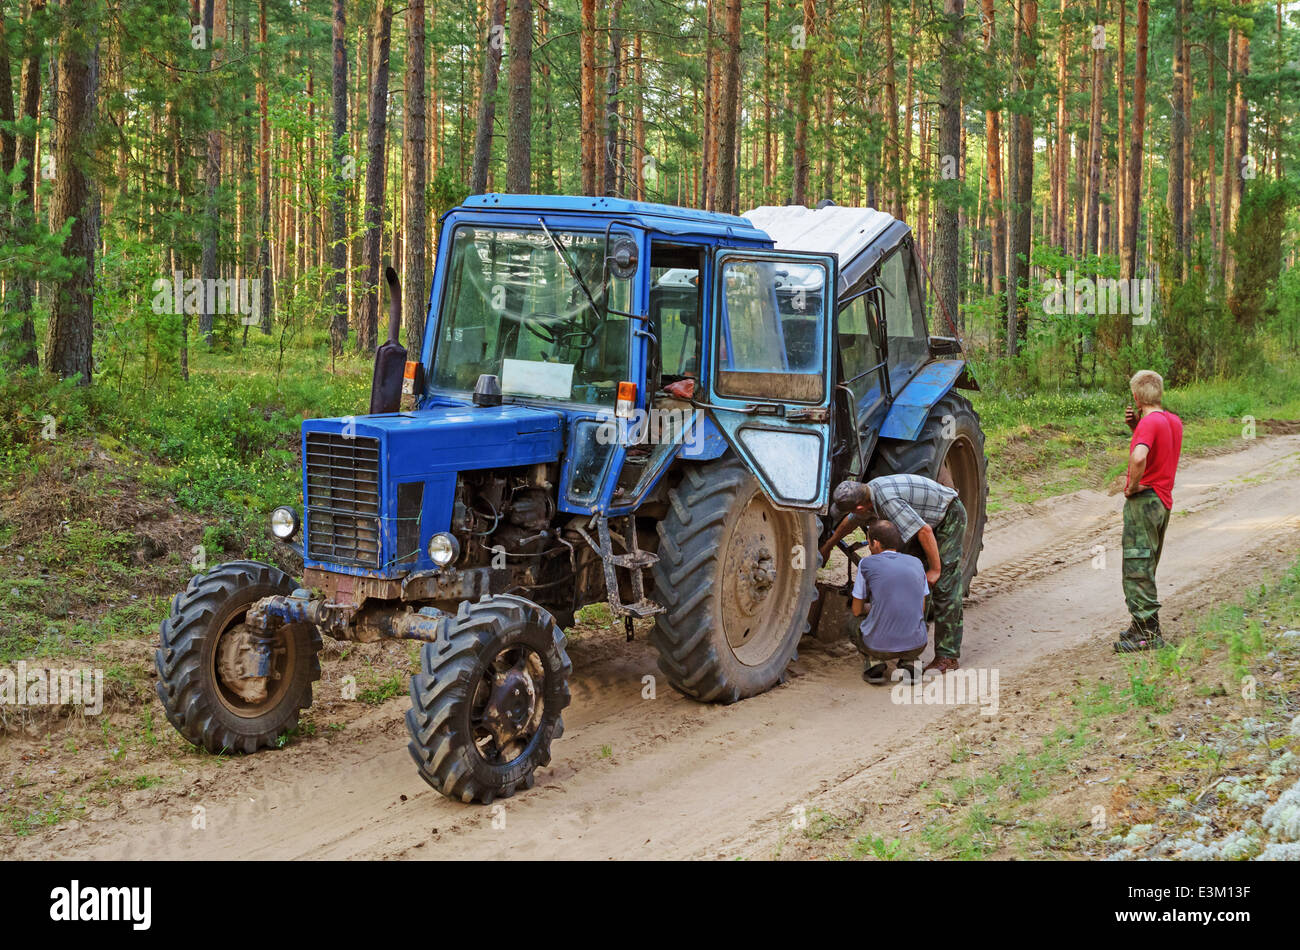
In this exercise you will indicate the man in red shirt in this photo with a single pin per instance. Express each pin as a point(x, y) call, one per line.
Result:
point(1152, 462)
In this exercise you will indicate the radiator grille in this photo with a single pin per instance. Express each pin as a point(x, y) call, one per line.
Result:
point(342, 499)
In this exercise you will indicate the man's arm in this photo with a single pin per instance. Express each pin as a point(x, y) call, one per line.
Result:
point(1137, 466)
point(859, 607)
point(931, 548)
point(844, 528)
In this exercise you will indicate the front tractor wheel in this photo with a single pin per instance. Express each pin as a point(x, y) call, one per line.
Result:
point(737, 577)
point(486, 703)
point(222, 685)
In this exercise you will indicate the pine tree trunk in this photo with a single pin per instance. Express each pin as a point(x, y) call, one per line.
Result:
point(547, 177)
point(75, 196)
point(266, 300)
point(993, 158)
point(589, 144)
point(1128, 266)
point(609, 186)
point(21, 347)
point(519, 133)
point(1091, 228)
point(8, 143)
point(376, 138)
point(1061, 173)
point(1177, 134)
point(1240, 168)
point(214, 27)
point(338, 207)
point(1022, 179)
point(487, 96)
point(902, 201)
point(414, 290)
point(1121, 89)
point(799, 191)
point(638, 119)
point(946, 271)
point(729, 99)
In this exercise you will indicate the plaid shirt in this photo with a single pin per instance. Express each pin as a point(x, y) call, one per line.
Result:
point(910, 501)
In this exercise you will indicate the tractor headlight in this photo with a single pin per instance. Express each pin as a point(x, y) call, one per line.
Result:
point(443, 549)
point(284, 523)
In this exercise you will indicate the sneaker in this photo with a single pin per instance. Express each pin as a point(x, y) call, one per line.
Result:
point(875, 675)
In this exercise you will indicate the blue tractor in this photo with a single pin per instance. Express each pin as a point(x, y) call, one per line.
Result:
point(616, 402)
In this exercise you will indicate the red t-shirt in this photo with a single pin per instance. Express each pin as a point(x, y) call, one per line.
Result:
point(1162, 433)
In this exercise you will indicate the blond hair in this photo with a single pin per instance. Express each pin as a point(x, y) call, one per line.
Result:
point(1148, 387)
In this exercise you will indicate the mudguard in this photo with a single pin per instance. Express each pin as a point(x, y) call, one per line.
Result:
point(911, 406)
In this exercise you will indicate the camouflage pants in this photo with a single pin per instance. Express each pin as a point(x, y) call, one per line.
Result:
point(947, 592)
point(1145, 521)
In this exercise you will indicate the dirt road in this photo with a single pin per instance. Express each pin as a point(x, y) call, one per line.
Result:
point(668, 778)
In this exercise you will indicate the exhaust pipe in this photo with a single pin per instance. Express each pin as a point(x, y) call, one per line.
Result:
point(390, 359)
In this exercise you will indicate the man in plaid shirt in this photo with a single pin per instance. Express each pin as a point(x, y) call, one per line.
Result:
point(934, 516)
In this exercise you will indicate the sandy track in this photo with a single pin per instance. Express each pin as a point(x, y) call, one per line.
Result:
point(669, 778)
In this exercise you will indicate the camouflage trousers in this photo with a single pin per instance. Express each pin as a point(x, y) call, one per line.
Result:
point(1145, 521)
point(947, 592)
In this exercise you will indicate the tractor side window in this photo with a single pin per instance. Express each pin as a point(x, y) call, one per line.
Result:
point(860, 355)
point(675, 317)
point(770, 339)
point(909, 346)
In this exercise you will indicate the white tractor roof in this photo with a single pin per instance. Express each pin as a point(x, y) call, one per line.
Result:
point(843, 231)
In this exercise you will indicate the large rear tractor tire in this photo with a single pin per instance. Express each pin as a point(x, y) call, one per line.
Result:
point(486, 703)
point(737, 577)
point(949, 449)
point(207, 659)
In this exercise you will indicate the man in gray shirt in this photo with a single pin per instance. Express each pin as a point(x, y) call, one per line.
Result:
point(931, 516)
point(894, 627)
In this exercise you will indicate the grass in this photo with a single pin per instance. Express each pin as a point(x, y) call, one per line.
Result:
point(1049, 443)
point(100, 524)
point(1146, 727)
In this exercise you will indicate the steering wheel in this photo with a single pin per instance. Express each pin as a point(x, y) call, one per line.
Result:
point(543, 331)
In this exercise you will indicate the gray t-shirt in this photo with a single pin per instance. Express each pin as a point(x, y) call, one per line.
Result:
point(896, 586)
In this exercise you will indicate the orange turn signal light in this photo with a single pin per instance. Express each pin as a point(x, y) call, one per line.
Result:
point(626, 400)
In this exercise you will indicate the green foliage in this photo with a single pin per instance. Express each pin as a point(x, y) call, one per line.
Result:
point(1257, 247)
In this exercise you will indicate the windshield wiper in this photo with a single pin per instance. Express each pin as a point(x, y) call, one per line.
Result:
point(564, 256)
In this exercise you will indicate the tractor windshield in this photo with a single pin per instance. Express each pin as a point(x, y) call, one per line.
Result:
point(512, 308)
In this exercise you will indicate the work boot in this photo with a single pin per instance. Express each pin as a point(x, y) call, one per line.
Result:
point(875, 675)
point(941, 664)
point(909, 671)
point(1140, 636)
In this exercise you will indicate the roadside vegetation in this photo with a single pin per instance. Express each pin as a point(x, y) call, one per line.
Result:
point(1191, 753)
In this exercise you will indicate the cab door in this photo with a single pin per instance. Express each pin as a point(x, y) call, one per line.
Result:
point(769, 359)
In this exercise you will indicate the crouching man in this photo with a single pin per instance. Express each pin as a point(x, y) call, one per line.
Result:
point(894, 628)
point(923, 509)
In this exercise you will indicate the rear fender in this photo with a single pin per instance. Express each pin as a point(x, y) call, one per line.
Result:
point(912, 406)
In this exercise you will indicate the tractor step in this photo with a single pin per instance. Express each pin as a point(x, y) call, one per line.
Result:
point(643, 609)
point(634, 561)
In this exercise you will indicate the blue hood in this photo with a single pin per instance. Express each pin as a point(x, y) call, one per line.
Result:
point(456, 438)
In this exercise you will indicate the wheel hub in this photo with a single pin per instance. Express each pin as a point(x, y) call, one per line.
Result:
point(758, 574)
point(510, 706)
point(755, 603)
point(247, 663)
